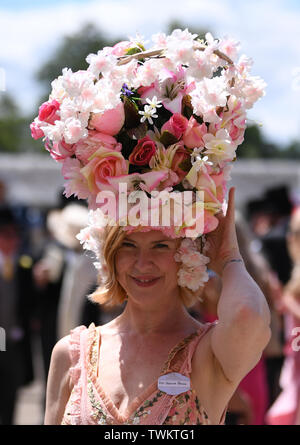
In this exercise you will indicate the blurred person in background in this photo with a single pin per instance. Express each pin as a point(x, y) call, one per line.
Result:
point(269, 219)
point(17, 304)
point(58, 276)
point(286, 409)
point(64, 276)
point(254, 393)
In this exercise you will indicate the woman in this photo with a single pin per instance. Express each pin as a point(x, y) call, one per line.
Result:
point(286, 408)
point(111, 375)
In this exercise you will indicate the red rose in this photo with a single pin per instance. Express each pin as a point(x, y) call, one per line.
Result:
point(143, 152)
point(48, 112)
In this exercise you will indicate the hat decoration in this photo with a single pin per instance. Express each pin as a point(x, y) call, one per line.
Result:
point(161, 121)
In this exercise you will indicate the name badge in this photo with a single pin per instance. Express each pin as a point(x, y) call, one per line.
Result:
point(174, 383)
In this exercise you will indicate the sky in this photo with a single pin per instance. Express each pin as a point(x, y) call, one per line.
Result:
point(269, 32)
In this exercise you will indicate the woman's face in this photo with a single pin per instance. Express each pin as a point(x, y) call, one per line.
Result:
point(146, 267)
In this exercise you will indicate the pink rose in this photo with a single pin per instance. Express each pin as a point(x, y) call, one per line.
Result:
point(193, 135)
point(142, 152)
point(36, 132)
point(85, 148)
point(180, 156)
point(60, 150)
point(220, 184)
point(48, 112)
point(110, 122)
point(236, 129)
point(102, 165)
point(176, 125)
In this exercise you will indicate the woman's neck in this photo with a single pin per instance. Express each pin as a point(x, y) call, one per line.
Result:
point(137, 319)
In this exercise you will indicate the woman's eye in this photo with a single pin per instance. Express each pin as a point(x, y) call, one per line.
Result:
point(161, 245)
point(126, 244)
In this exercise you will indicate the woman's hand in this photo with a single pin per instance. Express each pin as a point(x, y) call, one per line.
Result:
point(223, 245)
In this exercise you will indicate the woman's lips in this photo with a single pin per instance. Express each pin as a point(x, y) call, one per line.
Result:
point(150, 281)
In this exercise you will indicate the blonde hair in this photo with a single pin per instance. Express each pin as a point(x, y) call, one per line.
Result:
point(109, 292)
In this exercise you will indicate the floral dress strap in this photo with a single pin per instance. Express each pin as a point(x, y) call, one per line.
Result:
point(179, 359)
point(75, 353)
point(73, 411)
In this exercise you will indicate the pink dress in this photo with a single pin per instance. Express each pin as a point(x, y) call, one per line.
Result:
point(286, 408)
point(89, 405)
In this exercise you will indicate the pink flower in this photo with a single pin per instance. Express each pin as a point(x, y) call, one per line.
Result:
point(180, 156)
point(48, 112)
point(85, 148)
point(147, 181)
point(76, 184)
point(220, 184)
point(176, 125)
point(103, 164)
point(143, 151)
point(110, 122)
point(60, 150)
point(36, 132)
point(121, 48)
point(208, 223)
point(193, 136)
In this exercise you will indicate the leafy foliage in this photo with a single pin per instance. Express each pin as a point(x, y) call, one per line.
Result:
point(71, 52)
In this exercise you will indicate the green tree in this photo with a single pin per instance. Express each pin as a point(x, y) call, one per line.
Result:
point(72, 53)
point(255, 145)
point(10, 124)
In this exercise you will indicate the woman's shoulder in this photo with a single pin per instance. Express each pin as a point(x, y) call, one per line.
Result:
point(61, 351)
point(62, 348)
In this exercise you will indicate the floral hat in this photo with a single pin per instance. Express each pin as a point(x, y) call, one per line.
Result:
point(161, 122)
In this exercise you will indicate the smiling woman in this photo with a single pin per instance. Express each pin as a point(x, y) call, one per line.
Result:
point(168, 119)
point(119, 248)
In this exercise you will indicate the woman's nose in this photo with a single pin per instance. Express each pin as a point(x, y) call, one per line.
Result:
point(144, 260)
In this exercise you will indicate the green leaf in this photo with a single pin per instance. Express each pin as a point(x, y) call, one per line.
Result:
point(138, 132)
point(132, 51)
point(185, 165)
point(132, 117)
point(168, 138)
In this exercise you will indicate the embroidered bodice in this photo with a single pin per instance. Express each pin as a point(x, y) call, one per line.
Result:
point(89, 405)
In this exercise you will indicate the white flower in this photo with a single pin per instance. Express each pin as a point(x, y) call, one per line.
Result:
point(74, 130)
point(207, 96)
point(54, 132)
point(148, 113)
point(102, 62)
point(220, 147)
point(193, 272)
point(154, 103)
point(58, 91)
point(138, 40)
point(76, 83)
point(200, 162)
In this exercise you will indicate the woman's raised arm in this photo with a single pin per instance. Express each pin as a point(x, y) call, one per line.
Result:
point(243, 330)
